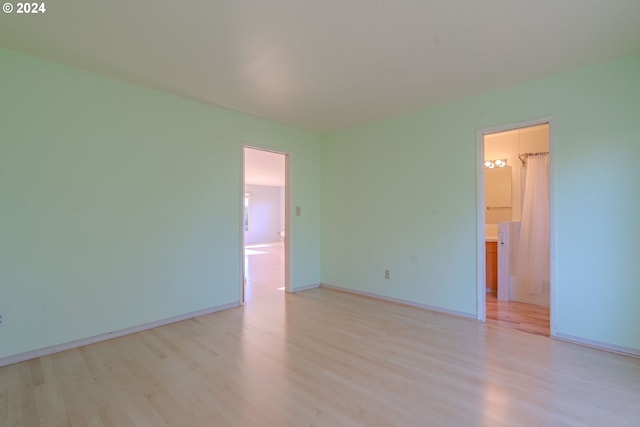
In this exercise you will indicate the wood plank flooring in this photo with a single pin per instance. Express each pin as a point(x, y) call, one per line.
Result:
point(324, 358)
point(517, 315)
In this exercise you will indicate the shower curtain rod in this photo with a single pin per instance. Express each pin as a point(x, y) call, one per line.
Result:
point(524, 156)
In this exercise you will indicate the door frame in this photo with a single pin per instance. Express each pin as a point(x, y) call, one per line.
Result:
point(481, 290)
point(287, 216)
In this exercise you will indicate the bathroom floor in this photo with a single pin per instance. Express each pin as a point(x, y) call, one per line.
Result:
point(517, 315)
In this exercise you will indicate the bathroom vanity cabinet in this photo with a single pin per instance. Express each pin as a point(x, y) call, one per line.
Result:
point(492, 266)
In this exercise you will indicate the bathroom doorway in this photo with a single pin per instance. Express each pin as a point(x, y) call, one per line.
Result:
point(264, 224)
point(514, 286)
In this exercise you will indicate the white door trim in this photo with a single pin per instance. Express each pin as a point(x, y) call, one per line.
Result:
point(480, 217)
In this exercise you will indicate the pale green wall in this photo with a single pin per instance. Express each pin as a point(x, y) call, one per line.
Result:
point(121, 205)
point(401, 194)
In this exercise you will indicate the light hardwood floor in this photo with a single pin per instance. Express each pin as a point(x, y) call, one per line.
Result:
point(517, 315)
point(324, 358)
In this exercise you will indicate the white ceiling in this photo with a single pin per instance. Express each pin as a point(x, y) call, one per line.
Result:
point(325, 65)
point(264, 168)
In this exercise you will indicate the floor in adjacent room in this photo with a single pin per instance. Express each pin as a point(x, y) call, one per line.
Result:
point(518, 315)
point(264, 271)
point(323, 358)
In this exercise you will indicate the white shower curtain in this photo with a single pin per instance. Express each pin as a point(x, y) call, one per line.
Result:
point(532, 267)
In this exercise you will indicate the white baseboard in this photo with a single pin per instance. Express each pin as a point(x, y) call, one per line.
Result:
point(625, 351)
point(400, 301)
point(304, 288)
point(8, 360)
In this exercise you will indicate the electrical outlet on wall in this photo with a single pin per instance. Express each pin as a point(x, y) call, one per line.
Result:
point(2, 321)
point(387, 274)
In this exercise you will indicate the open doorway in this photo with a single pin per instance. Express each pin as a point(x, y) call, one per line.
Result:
point(515, 199)
point(264, 224)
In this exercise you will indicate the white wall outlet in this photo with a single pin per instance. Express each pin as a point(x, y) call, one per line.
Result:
point(2, 321)
point(387, 274)
point(298, 211)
